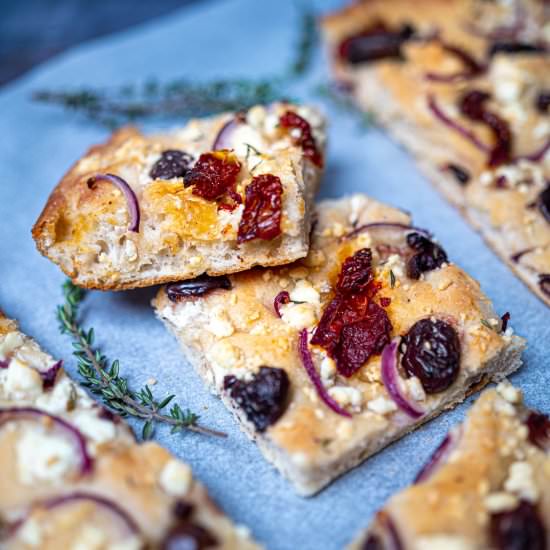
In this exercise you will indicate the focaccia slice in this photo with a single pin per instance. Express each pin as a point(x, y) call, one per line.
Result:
point(465, 86)
point(486, 486)
point(311, 356)
point(73, 475)
point(219, 195)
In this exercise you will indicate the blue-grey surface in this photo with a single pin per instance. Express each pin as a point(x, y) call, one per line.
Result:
point(38, 143)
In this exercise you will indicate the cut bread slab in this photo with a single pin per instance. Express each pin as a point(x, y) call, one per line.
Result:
point(453, 75)
point(370, 288)
point(219, 195)
point(73, 475)
point(485, 487)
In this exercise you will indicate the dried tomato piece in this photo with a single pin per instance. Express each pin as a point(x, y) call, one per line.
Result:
point(361, 340)
point(306, 141)
point(262, 209)
point(353, 327)
point(472, 105)
point(213, 175)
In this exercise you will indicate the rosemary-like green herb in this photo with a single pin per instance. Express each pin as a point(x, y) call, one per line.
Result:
point(345, 104)
point(106, 382)
point(183, 97)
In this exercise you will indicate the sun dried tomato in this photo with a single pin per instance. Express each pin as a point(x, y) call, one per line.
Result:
point(262, 209)
point(353, 327)
point(213, 175)
point(472, 105)
point(306, 141)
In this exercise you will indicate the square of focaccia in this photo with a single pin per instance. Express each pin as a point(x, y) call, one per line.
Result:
point(219, 195)
point(464, 85)
point(316, 404)
point(73, 475)
point(485, 487)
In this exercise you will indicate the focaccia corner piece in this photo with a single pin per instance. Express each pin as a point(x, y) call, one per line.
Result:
point(486, 486)
point(73, 475)
point(219, 195)
point(465, 86)
point(328, 360)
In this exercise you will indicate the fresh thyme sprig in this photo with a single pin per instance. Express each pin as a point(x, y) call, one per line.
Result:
point(341, 101)
point(183, 97)
point(105, 381)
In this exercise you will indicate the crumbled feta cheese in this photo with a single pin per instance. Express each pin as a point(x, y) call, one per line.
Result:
point(305, 292)
point(175, 478)
point(30, 533)
point(220, 325)
point(97, 429)
point(521, 482)
point(22, 381)
point(415, 389)
point(256, 116)
point(327, 370)
point(57, 399)
point(381, 405)
point(508, 392)
point(396, 264)
point(299, 315)
point(346, 396)
point(44, 456)
point(224, 354)
point(11, 341)
point(90, 538)
point(500, 502)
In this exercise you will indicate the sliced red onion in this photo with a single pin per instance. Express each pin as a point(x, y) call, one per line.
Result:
point(307, 361)
point(281, 299)
point(30, 413)
point(224, 137)
point(464, 132)
point(472, 68)
point(538, 155)
point(49, 376)
point(439, 455)
point(387, 225)
point(62, 500)
point(390, 378)
point(4, 364)
point(129, 195)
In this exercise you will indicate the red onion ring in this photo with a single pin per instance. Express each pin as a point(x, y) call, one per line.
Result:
point(49, 376)
point(390, 378)
point(30, 413)
point(281, 299)
point(441, 453)
point(57, 501)
point(129, 195)
point(311, 371)
point(464, 132)
point(390, 225)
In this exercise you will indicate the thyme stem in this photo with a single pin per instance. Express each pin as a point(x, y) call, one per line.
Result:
point(109, 385)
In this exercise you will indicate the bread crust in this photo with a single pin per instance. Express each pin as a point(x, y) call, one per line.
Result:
point(234, 332)
point(506, 214)
point(144, 480)
point(452, 505)
point(181, 235)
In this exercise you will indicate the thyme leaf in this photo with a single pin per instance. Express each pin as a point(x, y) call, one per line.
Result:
point(104, 379)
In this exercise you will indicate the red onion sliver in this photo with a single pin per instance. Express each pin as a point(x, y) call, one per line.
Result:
point(442, 452)
point(390, 378)
point(537, 156)
point(129, 195)
point(282, 298)
point(49, 376)
point(464, 132)
point(55, 502)
point(388, 225)
point(4, 364)
point(30, 413)
point(307, 361)
point(224, 136)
